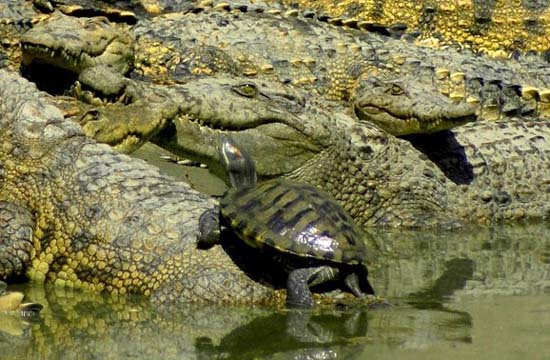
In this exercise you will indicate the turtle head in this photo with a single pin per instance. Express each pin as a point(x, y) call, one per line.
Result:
point(237, 163)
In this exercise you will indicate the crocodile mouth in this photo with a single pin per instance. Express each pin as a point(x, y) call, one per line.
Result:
point(62, 58)
point(369, 109)
point(364, 109)
point(276, 147)
point(65, 58)
point(52, 70)
point(405, 121)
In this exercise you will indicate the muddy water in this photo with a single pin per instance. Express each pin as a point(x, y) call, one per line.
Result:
point(482, 292)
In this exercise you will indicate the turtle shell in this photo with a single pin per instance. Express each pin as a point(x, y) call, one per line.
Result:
point(294, 218)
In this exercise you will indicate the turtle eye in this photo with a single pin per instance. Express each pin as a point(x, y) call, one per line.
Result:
point(396, 90)
point(246, 89)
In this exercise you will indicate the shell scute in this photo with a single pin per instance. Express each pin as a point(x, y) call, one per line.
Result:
point(295, 218)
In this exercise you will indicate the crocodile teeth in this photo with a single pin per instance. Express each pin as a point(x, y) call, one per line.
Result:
point(185, 162)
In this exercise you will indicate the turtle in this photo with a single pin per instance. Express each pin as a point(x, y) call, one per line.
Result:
point(12, 301)
point(307, 230)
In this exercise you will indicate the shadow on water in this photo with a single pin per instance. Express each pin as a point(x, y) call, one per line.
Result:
point(423, 273)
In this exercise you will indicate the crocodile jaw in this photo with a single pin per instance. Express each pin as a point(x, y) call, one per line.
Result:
point(97, 42)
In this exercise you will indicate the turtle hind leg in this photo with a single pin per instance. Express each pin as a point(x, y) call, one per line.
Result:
point(352, 281)
point(358, 283)
point(209, 228)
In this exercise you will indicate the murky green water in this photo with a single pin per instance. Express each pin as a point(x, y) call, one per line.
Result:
point(475, 293)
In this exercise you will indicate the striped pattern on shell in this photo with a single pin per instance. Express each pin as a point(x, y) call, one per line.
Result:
point(294, 218)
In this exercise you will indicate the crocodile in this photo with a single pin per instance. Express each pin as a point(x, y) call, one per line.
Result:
point(120, 12)
point(395, 103)
point(333, 69)
point(249, 41)
point(17, 17)
point(78, 214)
point(495, 28)
point(469, 174)
point(105, 43)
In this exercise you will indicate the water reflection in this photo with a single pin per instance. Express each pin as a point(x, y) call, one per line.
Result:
point(504, 260)
point(422, 273)
point(88, 326)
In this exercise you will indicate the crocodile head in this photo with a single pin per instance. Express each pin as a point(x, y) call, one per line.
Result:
point(408, 105)
point(75, 44)
point(265, 118)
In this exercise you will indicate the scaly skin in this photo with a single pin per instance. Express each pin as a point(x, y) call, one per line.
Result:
point(255, 45)
point(406, 104)
point(16, 17)
point(76, 44)
point(468, 175)
point(119, 12)
point(496, 28)
point(81, 215)
point(287, 49)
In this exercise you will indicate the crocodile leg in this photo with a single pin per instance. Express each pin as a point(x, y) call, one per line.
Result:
point(16, 244)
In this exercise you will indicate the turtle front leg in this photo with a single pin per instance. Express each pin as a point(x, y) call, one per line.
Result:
point(297, 285)
point(209, 228)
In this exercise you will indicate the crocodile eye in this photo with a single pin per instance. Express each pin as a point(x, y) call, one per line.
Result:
point(246, 89)
point(89, 116)
point(396, 90)
point(91, 26)
point(94, 23)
